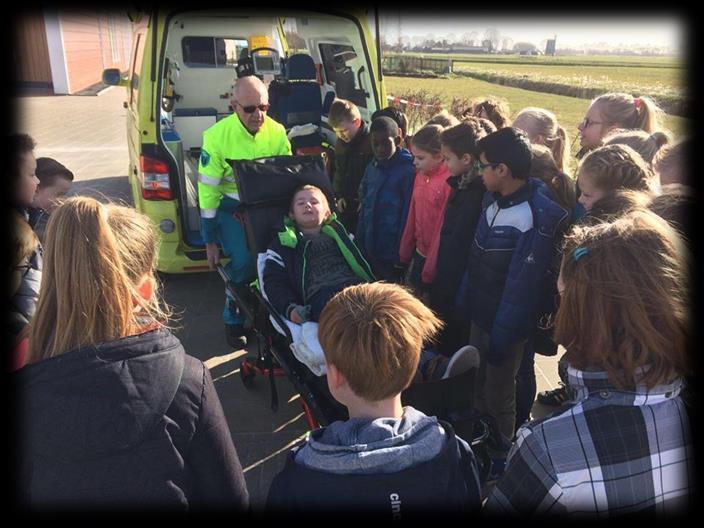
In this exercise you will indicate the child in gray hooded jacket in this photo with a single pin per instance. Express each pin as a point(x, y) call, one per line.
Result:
point(386, 460)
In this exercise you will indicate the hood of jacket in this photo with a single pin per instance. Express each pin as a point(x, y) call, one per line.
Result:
point(288, 236)
point(384, 445)
point(96, 400)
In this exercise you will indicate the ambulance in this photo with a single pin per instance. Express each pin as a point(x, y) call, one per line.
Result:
point(183, 66)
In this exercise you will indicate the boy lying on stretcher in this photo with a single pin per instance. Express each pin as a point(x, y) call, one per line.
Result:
point(314, 258)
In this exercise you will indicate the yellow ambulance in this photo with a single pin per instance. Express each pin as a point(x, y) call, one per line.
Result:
point(183, 66)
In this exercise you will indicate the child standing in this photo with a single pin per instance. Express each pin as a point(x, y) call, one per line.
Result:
point(352, 155)
point(26, 252)
point(562, 190)
point(399, 117)
point(601, 174)
point(645, 144)
point(114, 414)
point(385, 195)
point(544, 167)
point(670, 163)
point(542, 128)
point(430, 194)
point(607, 169)
point(450, 249)
point(443, 118)
point(495, 110)
point(616, 110)
point(386, 460)
point(54, 182)
point(625, 446)
point(508, 271)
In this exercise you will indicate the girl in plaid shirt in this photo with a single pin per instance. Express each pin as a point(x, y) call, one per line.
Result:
point(625, 445)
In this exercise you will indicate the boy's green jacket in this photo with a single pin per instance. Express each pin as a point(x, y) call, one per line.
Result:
point(283, 278)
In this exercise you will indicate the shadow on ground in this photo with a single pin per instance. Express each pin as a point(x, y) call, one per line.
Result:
point(262, 437)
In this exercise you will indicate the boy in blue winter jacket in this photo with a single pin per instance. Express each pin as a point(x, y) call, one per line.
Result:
point(386, 460)
point(385, 195)
point(507, 275)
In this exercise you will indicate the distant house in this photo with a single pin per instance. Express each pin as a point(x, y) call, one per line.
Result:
point(456, 48)
point(469, 49)
point(65, 51)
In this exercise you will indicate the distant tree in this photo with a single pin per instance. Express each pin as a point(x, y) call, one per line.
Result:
point(506, 43)
point(384, 44)
point(494, 36)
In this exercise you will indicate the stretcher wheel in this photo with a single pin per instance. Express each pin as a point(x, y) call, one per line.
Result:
point(246, 375)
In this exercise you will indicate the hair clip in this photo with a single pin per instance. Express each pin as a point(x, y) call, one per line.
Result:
point(579, 252)
point(636, 101)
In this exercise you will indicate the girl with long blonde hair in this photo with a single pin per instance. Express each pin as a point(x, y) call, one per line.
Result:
point(113, 411)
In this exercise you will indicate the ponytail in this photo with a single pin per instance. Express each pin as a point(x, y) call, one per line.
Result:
point(647, 145)
point(626, 111)
point(560, 149)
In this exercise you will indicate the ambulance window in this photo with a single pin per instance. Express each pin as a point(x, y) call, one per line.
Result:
point(136, 66)
point(212, 52)
point(337, 64)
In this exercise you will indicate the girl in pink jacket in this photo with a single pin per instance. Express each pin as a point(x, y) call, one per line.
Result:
point(425, 216)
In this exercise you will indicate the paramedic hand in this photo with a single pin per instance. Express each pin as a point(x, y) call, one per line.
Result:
point(211, 249)
point(341, 205)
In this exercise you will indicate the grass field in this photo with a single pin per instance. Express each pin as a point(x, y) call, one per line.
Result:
point(560, 60)
point(650, 81)
point(663, 78)
point(569, 110)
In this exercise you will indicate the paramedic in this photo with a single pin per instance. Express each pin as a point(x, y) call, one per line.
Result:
point(247, 134)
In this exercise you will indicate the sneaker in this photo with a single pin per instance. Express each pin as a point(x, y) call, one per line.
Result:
point(433, 369)
point(235, 336)
point(555, 397)
point(466, 358)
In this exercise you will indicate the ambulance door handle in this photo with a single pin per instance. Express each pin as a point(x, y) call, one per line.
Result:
point(359, 80)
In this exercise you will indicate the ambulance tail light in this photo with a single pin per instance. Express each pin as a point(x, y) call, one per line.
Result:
point(156, 182)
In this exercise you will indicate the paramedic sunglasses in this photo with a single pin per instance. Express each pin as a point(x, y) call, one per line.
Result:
point(250, 109)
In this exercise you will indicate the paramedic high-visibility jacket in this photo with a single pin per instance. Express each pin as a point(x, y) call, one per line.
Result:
point(229, 139)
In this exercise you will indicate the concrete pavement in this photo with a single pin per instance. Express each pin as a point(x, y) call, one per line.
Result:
point(88, 135)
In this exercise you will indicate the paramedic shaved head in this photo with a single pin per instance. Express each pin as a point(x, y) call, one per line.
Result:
point(250, 99)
